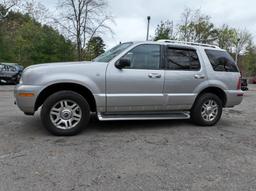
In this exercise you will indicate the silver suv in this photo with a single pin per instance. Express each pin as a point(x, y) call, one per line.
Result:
point(133, 81)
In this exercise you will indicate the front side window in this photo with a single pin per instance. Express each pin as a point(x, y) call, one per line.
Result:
point(145, 56)
point(182, 59)
point(221, 61)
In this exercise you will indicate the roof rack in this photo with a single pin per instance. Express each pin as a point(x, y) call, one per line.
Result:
point(187, 43)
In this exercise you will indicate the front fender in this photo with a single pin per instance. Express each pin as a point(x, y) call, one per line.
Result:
point(72, 78)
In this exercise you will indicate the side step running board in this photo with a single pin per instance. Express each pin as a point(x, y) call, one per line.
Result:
point(153, 116)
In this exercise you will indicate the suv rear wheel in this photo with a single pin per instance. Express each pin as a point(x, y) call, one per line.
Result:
point(207, 110)
point(65, 113)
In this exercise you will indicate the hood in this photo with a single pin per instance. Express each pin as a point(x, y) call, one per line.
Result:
point(60, 67)
point(57, 64)
point(38, 74)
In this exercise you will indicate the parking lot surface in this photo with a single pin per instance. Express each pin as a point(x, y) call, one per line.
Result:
point(130, 155)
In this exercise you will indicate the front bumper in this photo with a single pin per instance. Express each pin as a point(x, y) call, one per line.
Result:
point(26, 103)
point(234, 97)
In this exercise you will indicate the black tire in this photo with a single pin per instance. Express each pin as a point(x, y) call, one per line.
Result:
point(54, 99)
point(197, 110)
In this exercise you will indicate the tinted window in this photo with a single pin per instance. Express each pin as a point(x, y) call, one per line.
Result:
point(144, 57)
point(221, 61)
point(182, 59)
point(7, 68)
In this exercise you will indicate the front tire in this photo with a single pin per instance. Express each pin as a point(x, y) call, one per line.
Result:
point(65, 113)
point(207, 110)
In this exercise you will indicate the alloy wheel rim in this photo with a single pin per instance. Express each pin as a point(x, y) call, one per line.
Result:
point(65, 114)
point(210, 110)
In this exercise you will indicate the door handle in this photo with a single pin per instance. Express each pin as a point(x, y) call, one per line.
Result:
point(199, 76)
point(154, 75)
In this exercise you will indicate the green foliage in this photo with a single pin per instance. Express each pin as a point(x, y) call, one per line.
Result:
point(164, 31)
point(249, 60)
point(203, 31)
point(227, 37)
point(23, 40)
point(95, 47)
point(197, 28)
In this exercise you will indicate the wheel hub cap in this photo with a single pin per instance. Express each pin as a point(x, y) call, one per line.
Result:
point(65, 114)
point(210, 110)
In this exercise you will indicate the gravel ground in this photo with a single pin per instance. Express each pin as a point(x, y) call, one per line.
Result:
point(130, 156)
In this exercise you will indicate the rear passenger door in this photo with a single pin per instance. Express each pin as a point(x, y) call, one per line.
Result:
point(183, 74)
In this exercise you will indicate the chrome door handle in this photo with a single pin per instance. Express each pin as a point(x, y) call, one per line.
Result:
point(154, 75)
point(199, 76)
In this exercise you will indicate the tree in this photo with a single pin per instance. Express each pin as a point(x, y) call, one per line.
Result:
point(24, 40)
point(95, 47)
point(197, 27)
point(184, 28)
point(36, 10)
point(243, 40)
point(6, 6)
point(83, 19)
point(249, 60)
point(164, 30)
point(227, 38)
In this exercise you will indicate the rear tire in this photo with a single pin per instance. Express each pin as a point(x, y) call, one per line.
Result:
point(65, 113)
point(207, 110)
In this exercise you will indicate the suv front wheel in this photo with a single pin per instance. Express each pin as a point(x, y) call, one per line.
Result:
point(65, 113)
point(207, 110)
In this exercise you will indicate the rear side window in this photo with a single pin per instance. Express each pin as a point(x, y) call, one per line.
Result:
point(182, 59)
point(221, 61)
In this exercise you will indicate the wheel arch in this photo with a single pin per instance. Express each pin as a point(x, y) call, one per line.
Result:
point(78, 88)
point(214, 90)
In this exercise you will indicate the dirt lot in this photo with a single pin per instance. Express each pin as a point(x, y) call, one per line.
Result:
point(109, 156)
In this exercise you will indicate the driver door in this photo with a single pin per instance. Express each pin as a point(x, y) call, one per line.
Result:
point(138, 87)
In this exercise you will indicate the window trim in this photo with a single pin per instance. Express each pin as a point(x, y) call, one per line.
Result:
point(180, 48)
point(162, 57)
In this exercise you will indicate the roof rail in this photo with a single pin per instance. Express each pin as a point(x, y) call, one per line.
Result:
point(188, 43)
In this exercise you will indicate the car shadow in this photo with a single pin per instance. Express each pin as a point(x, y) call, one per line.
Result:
point(133, 125)
point(33, 125)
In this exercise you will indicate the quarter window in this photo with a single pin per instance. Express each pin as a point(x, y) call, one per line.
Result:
point(182, 59)
point(221, 61)
point(144, 57)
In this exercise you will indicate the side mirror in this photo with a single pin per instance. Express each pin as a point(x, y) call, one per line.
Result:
point(122, 63)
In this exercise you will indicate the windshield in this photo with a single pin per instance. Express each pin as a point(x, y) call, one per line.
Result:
point(112, 53)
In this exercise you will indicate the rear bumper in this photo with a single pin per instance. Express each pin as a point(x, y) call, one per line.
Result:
point(234, 97)
point(26, 103)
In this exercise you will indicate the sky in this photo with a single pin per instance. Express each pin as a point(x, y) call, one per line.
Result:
point(130, 16)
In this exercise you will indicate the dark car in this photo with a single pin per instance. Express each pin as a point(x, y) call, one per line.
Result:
point(244, 84)
point(10, 73)
point(254, 80)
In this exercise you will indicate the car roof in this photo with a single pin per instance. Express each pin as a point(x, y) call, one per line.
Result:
point(181, 44)
point(9, 63)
